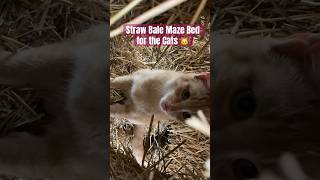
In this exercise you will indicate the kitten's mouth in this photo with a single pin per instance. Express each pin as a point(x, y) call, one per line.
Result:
point(167, 107)
point(164, 106)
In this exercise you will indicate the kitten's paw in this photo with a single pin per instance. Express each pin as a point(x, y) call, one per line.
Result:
point(113, 83)
point(138, 155)
point(121, 82)
point(138, 151)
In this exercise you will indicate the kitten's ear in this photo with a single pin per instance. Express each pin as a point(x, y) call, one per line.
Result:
point(303, 51)
point(298, 47)
point(204, 78)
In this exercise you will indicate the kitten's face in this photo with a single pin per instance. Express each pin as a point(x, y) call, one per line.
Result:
point(186, 95)
point(265, 104)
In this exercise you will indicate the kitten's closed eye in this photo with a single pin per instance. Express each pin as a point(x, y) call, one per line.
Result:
point(243, 104)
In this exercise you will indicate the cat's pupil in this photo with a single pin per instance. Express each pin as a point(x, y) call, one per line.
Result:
point(186, 115)
point(185, 94)
point(244, 169)
point(244, 104)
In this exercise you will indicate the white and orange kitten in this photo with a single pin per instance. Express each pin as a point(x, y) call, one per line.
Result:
point(163, 93)
point(266, 101)
point(70, 76)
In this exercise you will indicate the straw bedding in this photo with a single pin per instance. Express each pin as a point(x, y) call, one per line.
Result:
point(187, 149)
point(266, 17)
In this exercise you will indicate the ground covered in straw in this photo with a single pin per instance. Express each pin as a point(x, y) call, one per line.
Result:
point(184, 157)
point(276, 18)
point(29, 23)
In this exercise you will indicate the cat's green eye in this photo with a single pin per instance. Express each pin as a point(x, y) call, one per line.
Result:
point(185, 94)
point(186, 115)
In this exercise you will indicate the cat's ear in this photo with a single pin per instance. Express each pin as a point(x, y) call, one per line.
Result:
point(298, 47)
point(204, 78)
point(303, 51)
